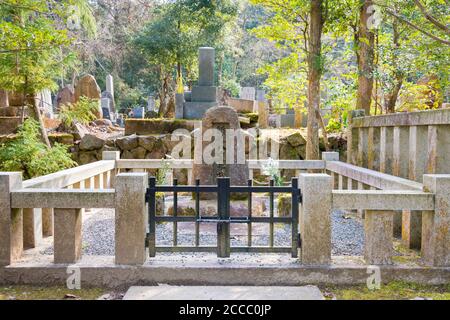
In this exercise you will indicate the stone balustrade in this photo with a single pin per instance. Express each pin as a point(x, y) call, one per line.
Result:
point(106, 184)
point(406, 145)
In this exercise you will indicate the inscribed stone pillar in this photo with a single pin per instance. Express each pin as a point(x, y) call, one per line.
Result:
point(206, 67)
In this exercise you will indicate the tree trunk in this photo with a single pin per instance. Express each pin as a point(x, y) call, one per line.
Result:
point(391, 97)
point(38, 116)
point(314, 74)
point(365, 47)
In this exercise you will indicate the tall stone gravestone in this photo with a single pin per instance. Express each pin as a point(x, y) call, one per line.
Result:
point(221, 119)
point(204, 95)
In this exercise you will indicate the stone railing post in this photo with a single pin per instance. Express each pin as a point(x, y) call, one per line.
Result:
point(315, 219)
point(353, 137)
point(378, 231)
point(436, 224)
point(332, 156)
point(67, 235)
point(11, 220)
point(131, 218)
point(109, 177)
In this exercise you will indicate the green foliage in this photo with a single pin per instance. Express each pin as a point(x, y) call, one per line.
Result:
point(177, 31)
point(27, 154)
point(81, 112)
point(33, 43)
point(232, 86)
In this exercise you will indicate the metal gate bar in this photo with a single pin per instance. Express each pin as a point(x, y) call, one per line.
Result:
point(223, 219)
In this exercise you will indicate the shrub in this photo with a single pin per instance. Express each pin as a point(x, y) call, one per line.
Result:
point(82, 112)
point(27, 154)
point(232, 87)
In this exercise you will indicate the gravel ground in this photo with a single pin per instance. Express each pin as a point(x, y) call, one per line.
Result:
point(98, 234)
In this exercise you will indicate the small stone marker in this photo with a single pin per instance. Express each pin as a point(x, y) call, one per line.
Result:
point(248, 93)
point(223, 293)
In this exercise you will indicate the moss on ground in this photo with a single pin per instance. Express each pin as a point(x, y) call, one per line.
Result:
point(397, 290)
point(48, 293)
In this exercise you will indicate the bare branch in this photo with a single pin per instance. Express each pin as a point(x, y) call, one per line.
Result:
point(430, 18)
point(418, 28)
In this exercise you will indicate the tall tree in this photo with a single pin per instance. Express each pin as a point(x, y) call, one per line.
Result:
point(315, 67)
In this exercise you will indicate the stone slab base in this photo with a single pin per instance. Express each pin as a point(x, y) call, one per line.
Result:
point(207, 269)
point(196, 110)
point(223, 293)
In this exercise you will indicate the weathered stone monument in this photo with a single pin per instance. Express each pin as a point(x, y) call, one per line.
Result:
point(193, 105)
point(87, 86)
point(229, 160)
point(64, 96)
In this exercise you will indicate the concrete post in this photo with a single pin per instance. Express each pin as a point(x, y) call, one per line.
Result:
point(373, 148)
point(378, 227)
point(436, 224)
point(32, 227)
point(386, 149)
point(363, 142)
point(400, 152)
point(412, 220)
point(11, 220)
point(131, 218)
point(315, 219)
point(432, 150)
point(47, 222)
point(110, 176)
point(68, 238)
point(352, 137)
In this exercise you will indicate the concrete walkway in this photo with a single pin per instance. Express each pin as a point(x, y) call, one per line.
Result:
point(223, 293)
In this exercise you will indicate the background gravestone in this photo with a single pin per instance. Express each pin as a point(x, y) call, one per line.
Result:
point(204, 95)
point(248, 93)
point(88, 87)
point(110, 97)
point(220, 118)
point(64, 96)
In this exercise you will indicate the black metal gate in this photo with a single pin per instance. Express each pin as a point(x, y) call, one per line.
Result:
point(223, 219)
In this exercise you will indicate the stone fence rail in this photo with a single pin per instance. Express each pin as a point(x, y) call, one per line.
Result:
point(406, 145)
point(107, 185)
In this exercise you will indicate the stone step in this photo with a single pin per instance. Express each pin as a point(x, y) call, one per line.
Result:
point(165, 292)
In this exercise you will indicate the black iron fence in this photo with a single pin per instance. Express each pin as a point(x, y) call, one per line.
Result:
point(223, 189)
